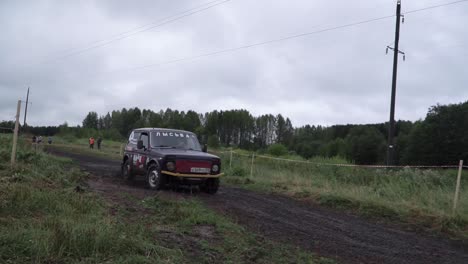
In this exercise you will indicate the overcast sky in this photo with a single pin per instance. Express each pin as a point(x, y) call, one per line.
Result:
point(336, 77)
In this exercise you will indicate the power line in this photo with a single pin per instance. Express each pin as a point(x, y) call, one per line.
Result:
point(208, 54)
point(143, 28)
point(256, 44)
point(434, 6)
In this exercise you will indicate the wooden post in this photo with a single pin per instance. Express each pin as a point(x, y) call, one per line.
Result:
point(457, 188)
point(252, 165)
point(15, 135)
point(230, 161)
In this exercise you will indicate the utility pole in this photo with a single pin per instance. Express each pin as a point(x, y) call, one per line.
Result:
point(15, 134)
point(396, 51)
point(26, 108)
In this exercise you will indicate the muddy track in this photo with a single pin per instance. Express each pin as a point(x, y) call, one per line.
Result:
point(329, 233)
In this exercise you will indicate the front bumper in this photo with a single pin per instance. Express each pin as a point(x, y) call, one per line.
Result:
point(186, 175)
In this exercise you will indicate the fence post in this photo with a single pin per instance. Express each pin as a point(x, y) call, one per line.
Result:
point(457, 188)
point(15, 134)
point(230, 160)
point(252, 165)
point(121, 149)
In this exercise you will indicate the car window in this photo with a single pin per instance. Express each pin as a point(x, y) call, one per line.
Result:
point(133, 138)
point(144, 137)
point(136, 136)
point(175, 139)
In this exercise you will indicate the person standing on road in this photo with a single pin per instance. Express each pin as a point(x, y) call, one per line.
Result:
point(91, 142)
point(99, 141)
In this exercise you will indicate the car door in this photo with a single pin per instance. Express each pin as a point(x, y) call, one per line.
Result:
point(131, 147)
point(141, 155)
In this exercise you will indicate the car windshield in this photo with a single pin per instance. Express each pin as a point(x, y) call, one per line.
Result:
point(174, 139)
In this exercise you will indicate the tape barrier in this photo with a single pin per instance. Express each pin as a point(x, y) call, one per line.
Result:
point(229, 152)
point(218, 152)
point(244, 155)
point(345, 165)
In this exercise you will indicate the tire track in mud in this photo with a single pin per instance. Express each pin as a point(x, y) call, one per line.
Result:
point(329, 233)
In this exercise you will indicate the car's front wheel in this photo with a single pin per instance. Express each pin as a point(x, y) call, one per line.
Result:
point(126, 171)
point(211, 186)
point(154, 178)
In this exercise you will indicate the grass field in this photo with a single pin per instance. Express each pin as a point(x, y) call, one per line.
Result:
point(108, 148)
point(44, 220)
point(421, 198)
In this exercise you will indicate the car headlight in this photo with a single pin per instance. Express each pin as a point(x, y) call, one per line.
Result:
point(215, 168)
point(170, 166)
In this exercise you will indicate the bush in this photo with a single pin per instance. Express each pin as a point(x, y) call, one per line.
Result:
point(277, 150)
point(111, 134)
point(69, 138)
point(4, 155)
point(213, 141)
point(237, 171)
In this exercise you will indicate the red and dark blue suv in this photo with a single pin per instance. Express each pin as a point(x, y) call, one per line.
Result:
point(170, 157)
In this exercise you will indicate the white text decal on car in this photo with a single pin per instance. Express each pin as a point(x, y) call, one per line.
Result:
point(172, 134)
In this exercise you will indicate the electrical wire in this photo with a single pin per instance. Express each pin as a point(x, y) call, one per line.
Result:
point(208, 54)
point(143, 28)
point(434, 6)
point(254, 44)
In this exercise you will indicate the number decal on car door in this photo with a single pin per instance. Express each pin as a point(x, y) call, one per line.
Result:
point(139, 160)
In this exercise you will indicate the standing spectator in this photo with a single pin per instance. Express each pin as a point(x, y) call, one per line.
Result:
point(34, 138)
point(50, 140)
point(39, 139)
point(99, 141)
point(91, 142)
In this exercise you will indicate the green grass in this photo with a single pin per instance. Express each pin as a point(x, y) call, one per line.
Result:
point(225, 241)
point(44, 220)
point(109, 149)
point(417, 199)
point(420, 199)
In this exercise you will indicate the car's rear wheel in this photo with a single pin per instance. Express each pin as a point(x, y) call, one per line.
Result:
point(211, 186)
point(126, 171)
point(154, 178)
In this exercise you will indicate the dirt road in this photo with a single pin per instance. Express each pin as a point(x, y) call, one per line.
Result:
point(329, 233)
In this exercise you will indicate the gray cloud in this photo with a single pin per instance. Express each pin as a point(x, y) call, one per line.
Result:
point(341, 76)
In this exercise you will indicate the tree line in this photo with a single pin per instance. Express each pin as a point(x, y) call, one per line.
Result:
point(237, 128)
point(440, 138)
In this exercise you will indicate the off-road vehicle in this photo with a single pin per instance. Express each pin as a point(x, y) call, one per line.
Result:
point(169, 157)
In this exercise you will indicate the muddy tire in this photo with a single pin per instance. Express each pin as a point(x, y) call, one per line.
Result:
point(155, 180)
point(211, 186)
point(126, 171)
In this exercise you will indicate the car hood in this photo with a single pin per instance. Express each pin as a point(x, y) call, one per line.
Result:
point(186, 153)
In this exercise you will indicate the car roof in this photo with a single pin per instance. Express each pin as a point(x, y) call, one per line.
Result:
point(160, 129)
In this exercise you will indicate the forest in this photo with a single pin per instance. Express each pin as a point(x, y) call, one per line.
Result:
point(440, 138)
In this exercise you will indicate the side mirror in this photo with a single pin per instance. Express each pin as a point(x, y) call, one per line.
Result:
point(205, 148)
point(140, 144)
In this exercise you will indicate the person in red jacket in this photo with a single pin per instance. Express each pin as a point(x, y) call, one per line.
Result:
point(91, 142)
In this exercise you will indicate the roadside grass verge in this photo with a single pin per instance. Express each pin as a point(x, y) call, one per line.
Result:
point(418, 199)
point(43, 219)
point(221, 239)
point(109, 149)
